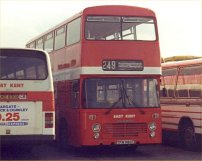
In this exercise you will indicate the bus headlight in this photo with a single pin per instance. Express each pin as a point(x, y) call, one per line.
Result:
point(152, 126)
point(96, 128)
point(96, 135)
point(152, 134)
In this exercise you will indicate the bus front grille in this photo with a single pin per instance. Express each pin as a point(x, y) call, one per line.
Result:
point(124, 129)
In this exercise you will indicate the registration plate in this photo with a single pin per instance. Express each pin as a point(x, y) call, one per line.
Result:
point(125, 142)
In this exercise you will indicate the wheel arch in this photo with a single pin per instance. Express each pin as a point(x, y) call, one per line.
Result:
point(183, 121)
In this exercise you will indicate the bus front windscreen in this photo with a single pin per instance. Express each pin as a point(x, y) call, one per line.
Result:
point(120, 28)
point(120, 93)
point(22, 65)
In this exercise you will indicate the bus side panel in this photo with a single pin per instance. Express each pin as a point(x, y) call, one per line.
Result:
point(65, 58)
point(67, 117)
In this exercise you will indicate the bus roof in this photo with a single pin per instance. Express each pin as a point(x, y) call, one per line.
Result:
point(28, 49)
point(182, 63)
point(179, 58)
point(24, 49)
point(121, 10)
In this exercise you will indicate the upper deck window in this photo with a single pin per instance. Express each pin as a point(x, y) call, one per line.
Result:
point(22, 65)
point(32, 44)
point(119, 28)
point(60, 38)
point(39, 43)
point(48, 42)
point(73, 31)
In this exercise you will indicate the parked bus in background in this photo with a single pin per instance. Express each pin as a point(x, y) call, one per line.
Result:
point(26, 96)
point(181, 102)
point(106, 84)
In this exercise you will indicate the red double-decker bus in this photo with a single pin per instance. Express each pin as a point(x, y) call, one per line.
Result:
point(106, 68)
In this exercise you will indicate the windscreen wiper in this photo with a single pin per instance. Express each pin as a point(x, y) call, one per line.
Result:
point(124, 96)
point(121, 99)
point(132, 101)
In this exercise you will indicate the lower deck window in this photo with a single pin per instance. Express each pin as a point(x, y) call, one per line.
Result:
point(120, 93)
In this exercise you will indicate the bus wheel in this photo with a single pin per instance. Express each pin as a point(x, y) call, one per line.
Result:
point(63, 136)
point(131, 148)
point(187, 136)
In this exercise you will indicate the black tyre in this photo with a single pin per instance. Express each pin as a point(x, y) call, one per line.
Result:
point(63, 136)
point(130, 149)
point(188, 136)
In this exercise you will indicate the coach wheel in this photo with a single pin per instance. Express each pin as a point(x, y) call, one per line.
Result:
point(188, 137)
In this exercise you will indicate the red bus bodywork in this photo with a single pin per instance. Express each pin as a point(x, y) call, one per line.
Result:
point(73, 64)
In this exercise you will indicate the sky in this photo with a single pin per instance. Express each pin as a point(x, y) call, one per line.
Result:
point(179, 21)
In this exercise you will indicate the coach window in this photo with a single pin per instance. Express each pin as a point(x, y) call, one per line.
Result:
point(48, 42)
point(182, 89)
point(189, 82)
point(20, 74)
point(60, 38)
point(170, 76)
point(73, 31)
point(39, 43)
